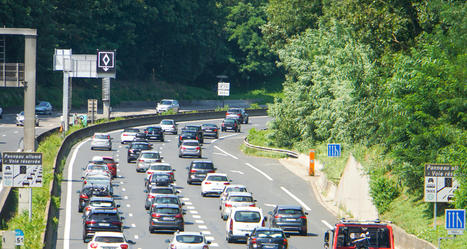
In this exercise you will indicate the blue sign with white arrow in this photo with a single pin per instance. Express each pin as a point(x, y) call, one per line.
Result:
point(455, 221)
point(334, 150)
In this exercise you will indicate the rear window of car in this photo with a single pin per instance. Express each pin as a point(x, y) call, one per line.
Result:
point(162, 191)
point(140, 146)
point(167, 210)
point(101, 136)
point(166, 102)
point(269, 234)
point(234, 110)
point(160, 167)
point(217, 178)
point(209, 125)
point(151, 155)
point(229, 121)
point(247, 216)
point(167, 122)
point(236, 189)
point(109, 239)
point(290, 211)
point(241, 198)
point(131, 130)
point(202, 165)
point(156, 178)
point(105, 216)
point(189, 239)
point(101, 204)
point(190, 144)
point(97, 167)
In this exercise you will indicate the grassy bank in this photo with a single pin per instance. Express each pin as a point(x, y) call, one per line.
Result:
point(414, 215)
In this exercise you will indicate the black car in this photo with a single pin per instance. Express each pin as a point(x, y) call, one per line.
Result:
point(135, 149)
point(101, 220)
point(197, 129)
point(166, 217)
point(267, 237)
point(187, 135)
point(210, 130)
point(230, 124)
point(198, 169)
point(90, 190)
point(289, 218)
point(154, 133)
point(140, 137)
point(158, 179)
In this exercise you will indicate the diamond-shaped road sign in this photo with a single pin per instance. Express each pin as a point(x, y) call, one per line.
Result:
point(105, 62)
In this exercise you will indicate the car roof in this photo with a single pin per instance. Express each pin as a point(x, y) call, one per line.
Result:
point(269, 229)
point(168, 195)
point(167, 205)
point(216, 174)
point(159, 163)
point(190, 140)
point(289, 207)
point(201, 161)
point(101, 133)
point(110, 234)
point(235, 186)
point(189, 233)
point(150, 152)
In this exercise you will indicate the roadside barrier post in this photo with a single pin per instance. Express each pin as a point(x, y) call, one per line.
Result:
point(311, 169)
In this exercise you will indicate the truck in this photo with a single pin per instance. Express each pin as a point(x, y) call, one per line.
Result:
point(353, 234)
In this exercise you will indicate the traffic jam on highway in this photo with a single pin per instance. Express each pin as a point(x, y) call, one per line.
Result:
point(166, 217)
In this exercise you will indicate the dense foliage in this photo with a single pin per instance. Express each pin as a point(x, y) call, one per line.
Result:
point(389, 73)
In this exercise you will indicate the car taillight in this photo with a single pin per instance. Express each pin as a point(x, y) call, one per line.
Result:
point(263, 223)
point(228, 205)
point(140, 160)
point(285, 241)
point(226, 183)
point(239, 115)
point(124, 246)
point(183, 148)
point(253, 205)
point(277, 216)
point(193, 171)
point(303, 217)
point(154, 215)
point(197, 148)
point(196, 137)
point(146, 132)
point(172, 246)
point(90, 222)
point(205, 247)
point(88, 208)
point(253, 241)
point(212, 171)
point(231, 225)
point(124, 135)
point(93, 245)
point(171, 173)
point(148, 172)
point(178, 216)
point(151, 196)
point(207, 182)
point(223, 125)
point(83, 196)
point(215, 130)
point(118, 223)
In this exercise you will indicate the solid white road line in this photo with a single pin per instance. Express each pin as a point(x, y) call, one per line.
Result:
point(259, 171)
point(223, 151)
point(296, 198)
point(327, 224)
point(66, 234)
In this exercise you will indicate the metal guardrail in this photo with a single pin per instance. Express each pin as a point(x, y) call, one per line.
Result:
point(289, 153)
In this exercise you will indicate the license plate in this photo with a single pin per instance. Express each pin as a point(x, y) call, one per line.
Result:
point(290, 219)
point(168, 218)
point(269, 246)
point(104, 224)
point(109, 247)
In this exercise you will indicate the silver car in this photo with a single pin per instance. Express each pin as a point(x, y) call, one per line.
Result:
point(191, 240)
point(146, 158)
point(159, 167)
point(167, 104)
point(44, 107)
point(20, 119)
point(190, 148)
point(101, 141)
point(236, 199)
point(169, 125)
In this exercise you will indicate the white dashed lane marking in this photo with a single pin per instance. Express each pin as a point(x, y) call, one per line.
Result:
point(202, 227)
point(193, 212)
point(197, 216)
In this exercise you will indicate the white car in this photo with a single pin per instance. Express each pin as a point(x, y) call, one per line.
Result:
point(236, 199)
point(242, 221)
point(101, 141)
point(169, 125)
point(167, 104)
point(228, 189)
point(214, 183)
point(128, 135)
point(20, 119)
point(104, 240)
point(159, 167)
point(96, 169)
point(188, 240)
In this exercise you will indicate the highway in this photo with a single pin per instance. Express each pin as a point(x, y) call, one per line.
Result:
point(266, 178)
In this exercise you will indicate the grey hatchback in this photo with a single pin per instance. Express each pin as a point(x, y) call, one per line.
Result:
point(289, 218)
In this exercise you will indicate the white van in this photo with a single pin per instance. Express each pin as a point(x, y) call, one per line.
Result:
point(242, 221)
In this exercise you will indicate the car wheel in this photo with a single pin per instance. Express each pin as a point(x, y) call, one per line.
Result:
point(203, 194)
point(229, 239)
point(303, 232)
point(224, 217)
point(189, 182)
point(246, 121)
point(181, 229)
point(180, 156)
point(92, 148)
point(128, 161)
point(151, 231)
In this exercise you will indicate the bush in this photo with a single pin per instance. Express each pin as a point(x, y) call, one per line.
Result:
point(384, 191)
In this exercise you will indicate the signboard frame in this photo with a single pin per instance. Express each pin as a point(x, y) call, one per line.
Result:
point(105, 64)
point(17, 164)
point(223, 89)
point(334, 150)
point(440, 182)
point(455, 221)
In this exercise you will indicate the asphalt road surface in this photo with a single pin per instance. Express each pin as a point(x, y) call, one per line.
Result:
point(267, 179)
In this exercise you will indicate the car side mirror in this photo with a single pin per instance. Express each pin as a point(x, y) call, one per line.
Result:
point(287, 235)
point(326, 237)
point(130, 242)
point(306, 213)
point(167, 241)
point(208, 242)
point(174, 170)
point(265, 218)
point(183, 203)
point(145, 191)
point(118, 205)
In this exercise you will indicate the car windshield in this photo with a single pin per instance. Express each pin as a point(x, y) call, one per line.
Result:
point(131, 130)
point(166, 102)
point(150, 155)
point(161, 167)
point(167, 122)
point(101, 204)
point(189, 239)
point(229, 121)
point(162, 191)
point(247, 216)
point(290, 211)
point(140, 146)
point(104, 216)
point(217, 178)
point(378, 237)
point(44, 104)
point(234, 111)
point(203, 165)
point(109, 239)
point(191, 144)
point(166, 200)
point(166, 210)
point(101, 136)
point(241, 199)
point(269, 234)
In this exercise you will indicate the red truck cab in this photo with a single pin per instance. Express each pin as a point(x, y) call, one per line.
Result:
point(360, 235)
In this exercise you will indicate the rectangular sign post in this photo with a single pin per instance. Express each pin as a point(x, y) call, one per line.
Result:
point(311, 168)
point(92, 109)
point(223, 89)
point(334, 150)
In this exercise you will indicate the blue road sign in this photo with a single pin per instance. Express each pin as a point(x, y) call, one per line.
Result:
point(19, 232)
point(455, 221)
point(334, 150)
